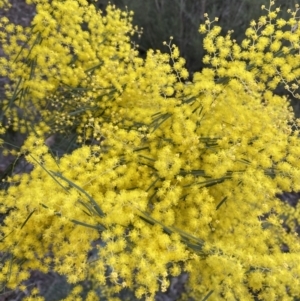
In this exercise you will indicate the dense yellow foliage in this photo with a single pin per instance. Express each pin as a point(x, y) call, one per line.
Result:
point(172, 174)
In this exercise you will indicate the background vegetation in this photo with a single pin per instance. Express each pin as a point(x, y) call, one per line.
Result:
point(161, 19)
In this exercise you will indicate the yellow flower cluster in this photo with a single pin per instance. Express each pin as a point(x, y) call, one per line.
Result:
point(4, 4)
point(170, 175)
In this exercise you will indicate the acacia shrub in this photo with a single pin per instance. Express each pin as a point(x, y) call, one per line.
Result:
point(180, 175)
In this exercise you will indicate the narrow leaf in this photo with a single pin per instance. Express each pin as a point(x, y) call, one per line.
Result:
point(97, 227)
point(48, 173)
point(28, 217)
point(95, 205)
point(208, 295)
point(221, 203)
